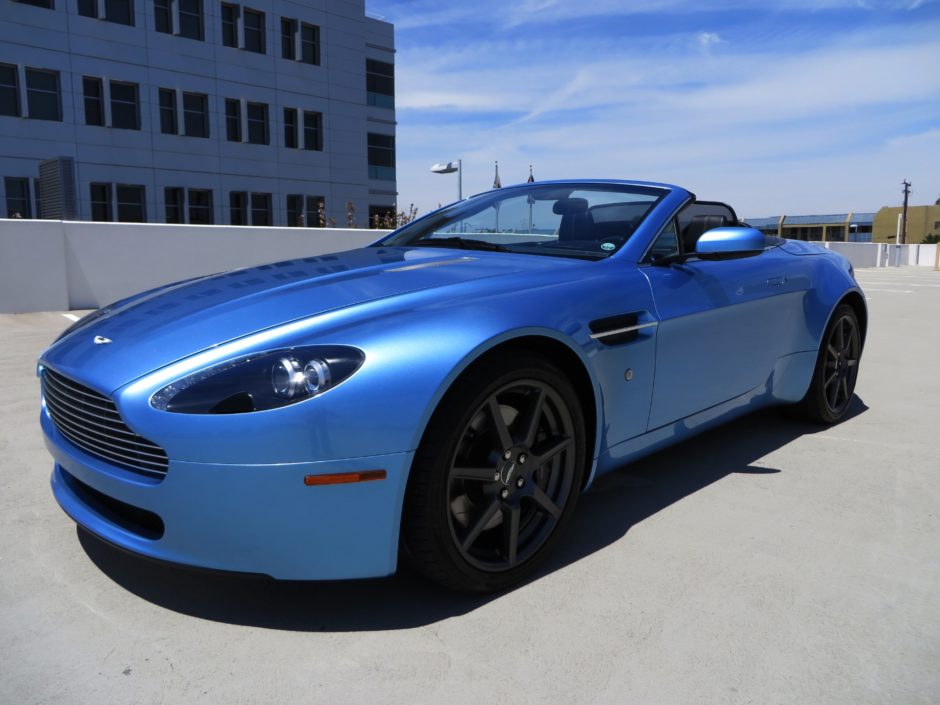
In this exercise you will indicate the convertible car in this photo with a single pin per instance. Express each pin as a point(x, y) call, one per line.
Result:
point(444, 395)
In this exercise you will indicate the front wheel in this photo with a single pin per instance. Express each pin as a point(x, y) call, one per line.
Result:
point(830, 392)
point(496, 477)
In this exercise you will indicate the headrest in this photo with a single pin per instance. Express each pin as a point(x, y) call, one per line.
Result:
point(570, 205)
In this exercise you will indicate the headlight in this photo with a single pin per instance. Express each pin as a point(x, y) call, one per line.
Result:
point(261, 381)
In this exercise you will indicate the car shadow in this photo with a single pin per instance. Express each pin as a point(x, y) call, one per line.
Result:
point(616, 502)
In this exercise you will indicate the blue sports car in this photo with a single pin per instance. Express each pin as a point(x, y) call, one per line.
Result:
point(444, 395)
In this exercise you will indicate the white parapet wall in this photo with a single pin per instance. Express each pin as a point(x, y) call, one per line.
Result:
point(879, 254)
point(51, 265)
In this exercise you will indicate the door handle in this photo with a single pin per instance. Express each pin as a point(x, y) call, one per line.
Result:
point(777, 281)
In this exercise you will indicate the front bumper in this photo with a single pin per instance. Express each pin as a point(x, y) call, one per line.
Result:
point(244, 518)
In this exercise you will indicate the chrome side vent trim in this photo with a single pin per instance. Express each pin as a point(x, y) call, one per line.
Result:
point(619, 329)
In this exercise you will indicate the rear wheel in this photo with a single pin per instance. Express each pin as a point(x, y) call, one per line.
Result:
point(833, 385)
point(496, 477)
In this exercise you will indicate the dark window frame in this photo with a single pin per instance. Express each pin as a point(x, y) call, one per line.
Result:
point(32, 91)
point(174, 200)
point(313, 131)
point(233, 120)
point(19, 202)
point(253, 124)
point(263, 208)
point(195, 25)
point(169, 122)
point(289, 29)
point(94, 104)
point(309, 44)
point(124, 207)
point(10, 92)
point(196, 119)
point(125, 107)
point(101, 204)
point(229, 17)
point(258, 39)
point(380, 83)
point(238, 207)
point(163, 16)
point(291, 131)
point(200, 211)
point(119, 12)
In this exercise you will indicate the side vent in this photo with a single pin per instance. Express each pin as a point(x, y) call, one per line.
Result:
point(616, 330)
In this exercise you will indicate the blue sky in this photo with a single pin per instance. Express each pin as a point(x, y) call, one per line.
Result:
point(798, 106)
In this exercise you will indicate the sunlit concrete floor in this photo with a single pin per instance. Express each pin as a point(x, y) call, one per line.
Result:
point(766, 562)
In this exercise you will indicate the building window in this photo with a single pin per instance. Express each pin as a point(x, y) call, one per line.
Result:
point(380, 84)
point(130, 204)
point(48, 4)
point(382, 217)
point(200, 206)
point(9, 91)
point(191, 19)
point(42, 95)
point(163, 16)
point(173, 195)
point(303, 211)
point(229, 25)
point(254, 30)
point(261, 209)
point(313, 130)
point(196, 114)
point(290, 128)
point(233, 120)
point(125, 108)
point(17, 197)
point(94, 100)
point(101, 202)
point(288, 38)
point(309, 43)
point(238, 208)
point(381, 157)
point(257, 114)
point(37, 195)
point(168, 112)
point(119, 11)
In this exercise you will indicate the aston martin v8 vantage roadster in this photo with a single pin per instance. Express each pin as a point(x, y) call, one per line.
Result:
point(444, 395)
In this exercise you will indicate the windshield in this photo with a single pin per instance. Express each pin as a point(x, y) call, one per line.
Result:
point(570, 220)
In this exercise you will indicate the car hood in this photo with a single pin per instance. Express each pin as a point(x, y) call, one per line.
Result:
point(156, 329)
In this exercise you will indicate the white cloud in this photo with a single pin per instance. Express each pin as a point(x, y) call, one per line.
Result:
point(707, 39)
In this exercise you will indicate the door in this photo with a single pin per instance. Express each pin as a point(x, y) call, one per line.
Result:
point(722, 326)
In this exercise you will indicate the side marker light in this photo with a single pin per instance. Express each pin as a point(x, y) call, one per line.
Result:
point(344, 478)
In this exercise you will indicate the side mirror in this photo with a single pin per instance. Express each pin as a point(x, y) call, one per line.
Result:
point(729, 243)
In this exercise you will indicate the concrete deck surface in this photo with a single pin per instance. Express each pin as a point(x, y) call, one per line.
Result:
point(766, 562)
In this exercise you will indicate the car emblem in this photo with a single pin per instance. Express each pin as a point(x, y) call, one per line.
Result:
point(506, 471)
point(608, 246)
point(101, 340)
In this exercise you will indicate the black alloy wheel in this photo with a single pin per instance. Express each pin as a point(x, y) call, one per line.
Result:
point(497, 476)
point(833, 385)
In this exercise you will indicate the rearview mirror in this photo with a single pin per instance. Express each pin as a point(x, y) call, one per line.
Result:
point(728, 243)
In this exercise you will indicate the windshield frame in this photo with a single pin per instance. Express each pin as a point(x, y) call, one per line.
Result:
point(418, 233)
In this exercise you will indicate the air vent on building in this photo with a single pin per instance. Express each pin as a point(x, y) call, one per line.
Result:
point(57, 188)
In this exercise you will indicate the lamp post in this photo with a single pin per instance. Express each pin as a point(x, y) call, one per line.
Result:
point(450, 168)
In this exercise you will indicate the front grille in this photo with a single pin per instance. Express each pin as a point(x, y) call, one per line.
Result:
point(92, 422)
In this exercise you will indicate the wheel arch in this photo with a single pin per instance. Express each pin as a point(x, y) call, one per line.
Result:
point(547, 345)
point(855, 299)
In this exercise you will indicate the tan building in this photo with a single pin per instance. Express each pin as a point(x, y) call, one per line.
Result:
point(921, 222)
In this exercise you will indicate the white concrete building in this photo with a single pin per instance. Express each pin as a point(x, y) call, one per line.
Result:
point(195, 111)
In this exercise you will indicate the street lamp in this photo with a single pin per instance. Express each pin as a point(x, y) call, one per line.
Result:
point(450, 168)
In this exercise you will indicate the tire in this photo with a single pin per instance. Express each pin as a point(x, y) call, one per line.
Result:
point(830, 392)
point(491, 490)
